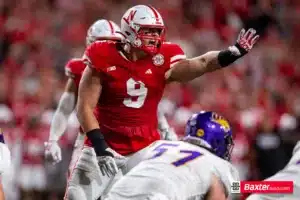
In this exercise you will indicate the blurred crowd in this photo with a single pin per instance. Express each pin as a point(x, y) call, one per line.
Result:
point(259, 94)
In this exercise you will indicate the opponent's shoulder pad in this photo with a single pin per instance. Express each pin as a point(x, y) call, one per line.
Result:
point(74, 67)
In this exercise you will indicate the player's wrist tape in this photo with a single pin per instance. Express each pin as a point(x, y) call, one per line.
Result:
point(226, 57)
point(98, 142)
point(1, 138)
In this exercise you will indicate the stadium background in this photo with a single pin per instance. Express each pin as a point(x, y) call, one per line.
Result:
point(260, 94)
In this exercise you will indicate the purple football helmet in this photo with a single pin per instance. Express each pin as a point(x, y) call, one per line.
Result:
point(1, 137)
point(214, 132)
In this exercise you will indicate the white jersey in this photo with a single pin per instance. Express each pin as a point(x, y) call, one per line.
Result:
point(5, 158)
point(291, 172)
point(173, 170)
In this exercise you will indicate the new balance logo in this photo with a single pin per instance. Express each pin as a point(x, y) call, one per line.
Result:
point(112, 68)
point(148, 71)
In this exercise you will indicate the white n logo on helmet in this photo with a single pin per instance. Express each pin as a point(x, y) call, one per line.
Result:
point(130, 17)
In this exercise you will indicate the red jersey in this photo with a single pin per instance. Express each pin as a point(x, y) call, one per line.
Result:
point(74, 69)
point(131, 91)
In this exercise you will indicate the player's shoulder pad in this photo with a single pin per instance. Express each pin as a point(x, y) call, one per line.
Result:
point(172, 51)
point(102, 47)
point(74, 67)
point(170, 47)
point(98, 53)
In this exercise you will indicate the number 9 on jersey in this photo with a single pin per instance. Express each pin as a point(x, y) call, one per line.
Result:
point(137, 92)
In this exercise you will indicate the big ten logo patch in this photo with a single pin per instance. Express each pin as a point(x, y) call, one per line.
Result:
point(158, 59)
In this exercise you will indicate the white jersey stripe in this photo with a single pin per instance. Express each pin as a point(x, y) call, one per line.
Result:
point(177, 57)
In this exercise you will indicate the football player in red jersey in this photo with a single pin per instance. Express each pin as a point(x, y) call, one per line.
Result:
point(99, 30)
point(125, 83)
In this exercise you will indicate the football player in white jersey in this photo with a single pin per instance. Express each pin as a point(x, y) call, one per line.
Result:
point(195, 168)
point(291, 172)
point(5, 160)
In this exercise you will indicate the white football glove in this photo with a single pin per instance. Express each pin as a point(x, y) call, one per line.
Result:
point(169, 134)
point(109, 165)
point(52, 151)
point(245, 42)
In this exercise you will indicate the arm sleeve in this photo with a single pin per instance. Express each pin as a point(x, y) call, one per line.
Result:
point(69, 73)
point(60, 119)
point(74, 69)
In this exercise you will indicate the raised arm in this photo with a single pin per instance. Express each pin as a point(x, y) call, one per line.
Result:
point(189, 69)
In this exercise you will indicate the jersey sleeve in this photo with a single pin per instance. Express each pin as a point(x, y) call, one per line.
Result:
point(95, 55)
point(73, 68)
point(175, 54)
